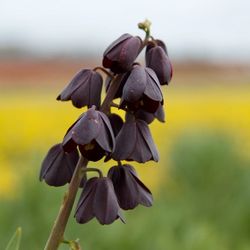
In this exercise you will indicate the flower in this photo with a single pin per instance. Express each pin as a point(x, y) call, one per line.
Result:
point(98, 200)
point(92, 132)
point(130, 191)
point(141, 90)
point(134, 142)
point(58, 166)
point(158, 60)
point(120, 55)
point(84, 89)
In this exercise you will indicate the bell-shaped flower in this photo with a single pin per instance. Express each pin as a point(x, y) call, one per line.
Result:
point(84, 89)
point(134, 142)
point(158, 60)
point(98, 200)
point(58, 166)
point(142, 90)
point(130, 191)
point(93, 134)
point(120, 55)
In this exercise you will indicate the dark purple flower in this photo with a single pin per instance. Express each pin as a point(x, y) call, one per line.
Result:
point(158, 60)
point(120, 55)
point(130, 191)
point(98, 200)
point(58, 166)
point(92, 132)
point(84, 89)
point(149, 117)
point(142, 90)
point(134, 142)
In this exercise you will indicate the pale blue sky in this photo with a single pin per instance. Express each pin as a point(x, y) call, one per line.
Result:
point(208, 28)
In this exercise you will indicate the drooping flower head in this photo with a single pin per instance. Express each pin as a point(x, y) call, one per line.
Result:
point(134, 142)
point(92, 133)
point(141, 90)
point(130, 191)
point(58, 166)
point(120, 55)
point(98, 200)
point(84, 89)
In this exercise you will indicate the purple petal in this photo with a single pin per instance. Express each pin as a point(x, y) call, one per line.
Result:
point(108, 128)
point(141, 152)
point(116, 42)
point(106, 206)
point(143, 127)
point(95, 89)
point(153, 89)
point(58, 166)
point(78, 80)
point(84, 211)
point(87, 128)
point(135, 85)
point(125, 141)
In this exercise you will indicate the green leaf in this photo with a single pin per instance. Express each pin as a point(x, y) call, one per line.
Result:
point(15, 240)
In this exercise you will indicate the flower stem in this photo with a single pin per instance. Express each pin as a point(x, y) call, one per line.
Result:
point(93, 170)
point(105, 71)
point(114, 86)
point(56, 235)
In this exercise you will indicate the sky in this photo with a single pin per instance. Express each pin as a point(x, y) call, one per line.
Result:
point(214, 29)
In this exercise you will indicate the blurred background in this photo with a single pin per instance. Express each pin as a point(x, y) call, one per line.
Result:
point(201, 185)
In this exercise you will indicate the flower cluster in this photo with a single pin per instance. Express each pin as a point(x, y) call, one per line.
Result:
point(98, 133)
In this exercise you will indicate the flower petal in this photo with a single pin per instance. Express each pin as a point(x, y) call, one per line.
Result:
point(78, 80)
point(135, 85)
point(143, 128)
point(125, 141)
point(84, 211)
point(106, 207)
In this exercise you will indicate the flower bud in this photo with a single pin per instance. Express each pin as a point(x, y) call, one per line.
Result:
point(120, 55)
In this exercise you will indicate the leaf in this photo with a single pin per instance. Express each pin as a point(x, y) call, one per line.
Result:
point(15, 240)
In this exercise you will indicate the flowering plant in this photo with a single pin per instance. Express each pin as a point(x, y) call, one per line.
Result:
point(98, 133)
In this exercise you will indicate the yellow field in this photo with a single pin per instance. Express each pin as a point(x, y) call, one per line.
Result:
point(31, 121)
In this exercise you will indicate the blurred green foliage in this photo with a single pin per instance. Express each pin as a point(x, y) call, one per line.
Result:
point(204, 205)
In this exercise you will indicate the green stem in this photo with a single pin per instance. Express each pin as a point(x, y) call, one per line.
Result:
point(93, 170)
